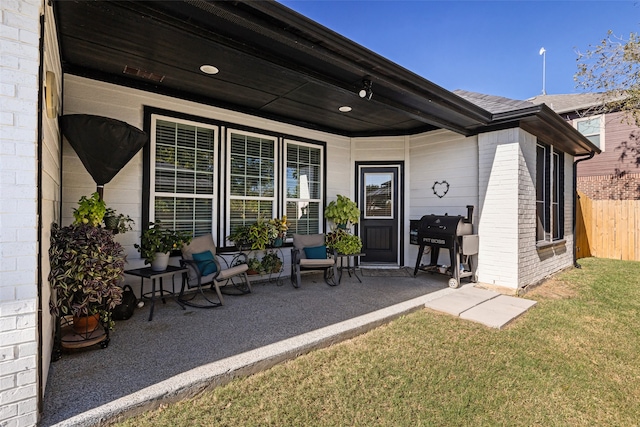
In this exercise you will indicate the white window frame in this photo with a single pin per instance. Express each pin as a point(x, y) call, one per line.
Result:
point(276, 181)
point(152, 165)
point(601, 133)
point(319, 200)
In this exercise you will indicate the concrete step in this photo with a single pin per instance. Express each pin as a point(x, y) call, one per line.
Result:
point(482, 306)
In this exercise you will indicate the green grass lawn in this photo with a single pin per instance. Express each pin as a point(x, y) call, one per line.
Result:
point(572, 360)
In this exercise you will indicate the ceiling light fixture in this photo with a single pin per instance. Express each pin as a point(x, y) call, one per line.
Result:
point(345, 109)
point(209, 69)
point(366, 91)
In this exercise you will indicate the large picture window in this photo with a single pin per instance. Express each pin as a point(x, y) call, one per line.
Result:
point(252, 178)
point(207, 177)
point(549, 194)
point(183, 165)
point(303, 188)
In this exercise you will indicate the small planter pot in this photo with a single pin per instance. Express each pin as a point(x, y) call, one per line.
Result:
point(277, 268)
point(86, 324)
point(111, 223)
point(277, 242)
point(160, 262)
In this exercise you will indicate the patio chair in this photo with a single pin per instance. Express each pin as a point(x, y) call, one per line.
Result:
point(310, 253)
point(204, 268)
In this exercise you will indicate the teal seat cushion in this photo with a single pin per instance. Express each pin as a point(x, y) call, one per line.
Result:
point(316, 252)
point(205, 263)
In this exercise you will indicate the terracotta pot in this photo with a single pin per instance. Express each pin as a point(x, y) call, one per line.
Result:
point(86, 324)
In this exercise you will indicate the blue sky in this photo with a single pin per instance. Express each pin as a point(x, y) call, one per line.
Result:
point(490, 47)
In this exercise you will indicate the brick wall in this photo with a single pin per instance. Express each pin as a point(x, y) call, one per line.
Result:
point(498, 166)
point(19, 89)
point(509, 255)
point(611, 187)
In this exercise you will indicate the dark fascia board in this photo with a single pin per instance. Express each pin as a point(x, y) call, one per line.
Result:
point(546, 124)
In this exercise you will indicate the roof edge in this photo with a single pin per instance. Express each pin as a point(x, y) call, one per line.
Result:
point(543, 114)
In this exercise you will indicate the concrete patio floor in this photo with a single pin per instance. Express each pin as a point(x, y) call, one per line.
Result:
point(181, 352)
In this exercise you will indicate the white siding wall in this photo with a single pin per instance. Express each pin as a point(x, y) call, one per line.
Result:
point(436, 157)
point(124, 192)
point(19, 88)
point(50, 169)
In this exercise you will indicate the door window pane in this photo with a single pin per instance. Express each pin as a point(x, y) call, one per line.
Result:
point(378, 196)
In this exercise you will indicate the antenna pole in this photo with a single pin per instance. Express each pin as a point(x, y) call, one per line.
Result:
point(543, 52)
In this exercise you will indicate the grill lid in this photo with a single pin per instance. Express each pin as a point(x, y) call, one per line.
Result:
point(444, 225)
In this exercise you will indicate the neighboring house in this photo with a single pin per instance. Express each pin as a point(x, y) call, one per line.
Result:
point(614, 174)
point(270, 133)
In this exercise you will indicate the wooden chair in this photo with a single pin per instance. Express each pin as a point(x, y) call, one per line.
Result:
point(204, 267)
point(310, 253)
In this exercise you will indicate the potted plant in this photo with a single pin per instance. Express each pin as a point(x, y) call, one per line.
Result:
point(261, 234)
point(342, 212)
point(117, 223)
point(271, 262)
point(254, 265)
point(240, 237)
point(156, 243)
point(281, 226)
point(87, 266)
point(343, 242)
point(90, 210)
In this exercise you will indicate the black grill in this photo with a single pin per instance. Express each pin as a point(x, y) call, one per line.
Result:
point(454, 233)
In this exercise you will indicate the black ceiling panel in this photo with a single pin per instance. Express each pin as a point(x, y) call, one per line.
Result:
point(273, 63)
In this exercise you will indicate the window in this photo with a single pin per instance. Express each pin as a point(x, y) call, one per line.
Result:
point(206, 177)
point(593, 129)
point(182, 170)
point(378, 196)
point(303, 188)
point(252, 180)
point(549, 194)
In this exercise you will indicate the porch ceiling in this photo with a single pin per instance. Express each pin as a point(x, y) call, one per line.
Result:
point(273, 62)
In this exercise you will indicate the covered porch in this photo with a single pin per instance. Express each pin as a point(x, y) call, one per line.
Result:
point(181, 352)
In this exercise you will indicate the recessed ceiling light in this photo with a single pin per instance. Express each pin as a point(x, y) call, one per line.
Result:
point(345, 109)
point(209, 69)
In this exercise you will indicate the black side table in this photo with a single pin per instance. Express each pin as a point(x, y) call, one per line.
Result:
point(148, 273)
point(350, 267)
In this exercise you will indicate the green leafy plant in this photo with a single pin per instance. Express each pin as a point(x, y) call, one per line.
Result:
point(87, 266)
point(261, 233)
point(157, 239)
point(271, 262)
point(342, 212)
point(281, 225)
point(117, 223)
point(240, 236)
point(90, 210)
point(343, 242)
point(254, 265)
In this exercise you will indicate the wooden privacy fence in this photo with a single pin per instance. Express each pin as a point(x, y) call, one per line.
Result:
point(608, 228)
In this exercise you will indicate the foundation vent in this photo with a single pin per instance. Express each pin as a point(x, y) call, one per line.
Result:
point(132, 71)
